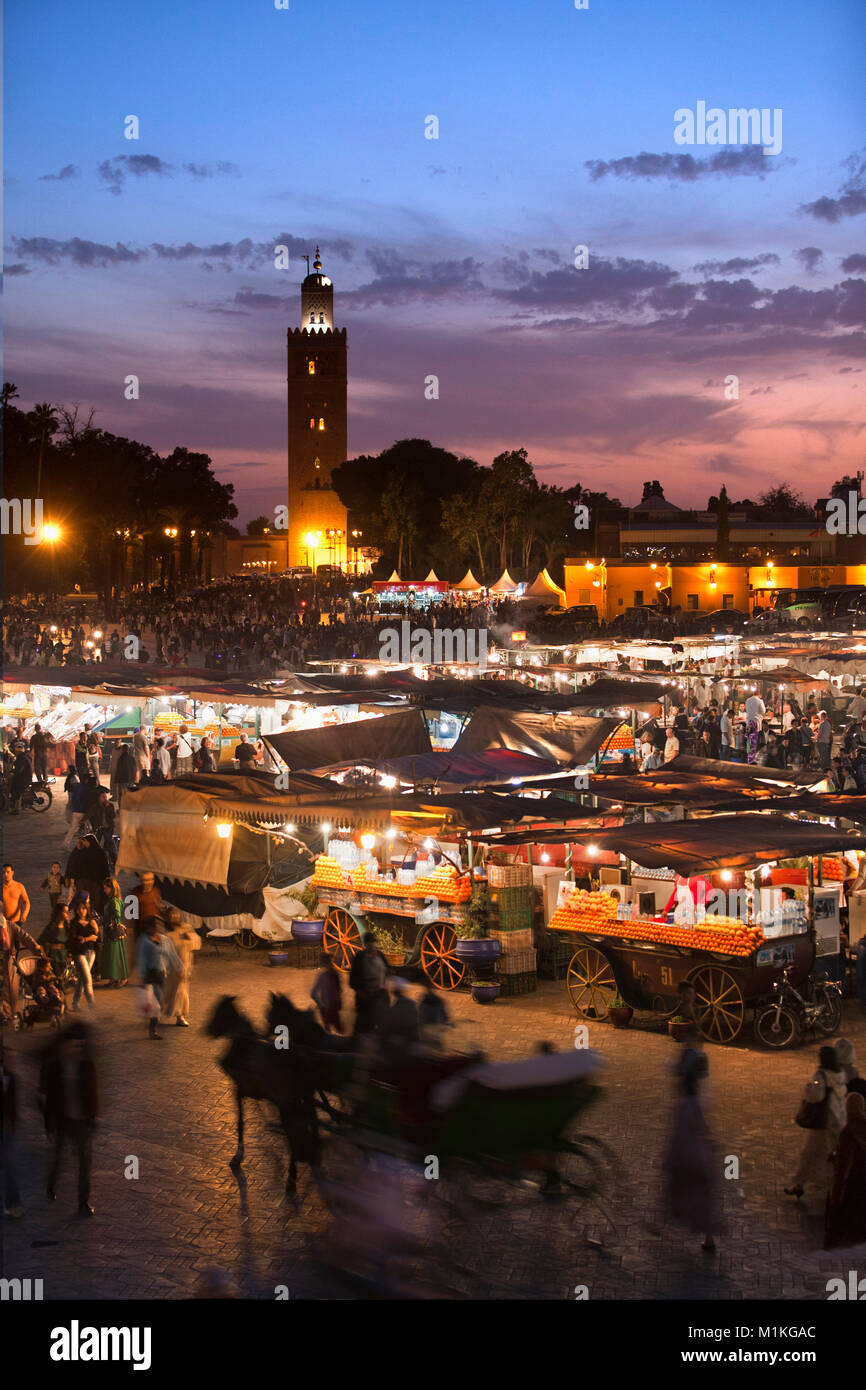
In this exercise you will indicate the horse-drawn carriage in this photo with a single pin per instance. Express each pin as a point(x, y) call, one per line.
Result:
point(644, 962)
point(500, 1122)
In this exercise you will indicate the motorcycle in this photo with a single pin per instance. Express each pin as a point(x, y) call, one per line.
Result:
point(781, 1020)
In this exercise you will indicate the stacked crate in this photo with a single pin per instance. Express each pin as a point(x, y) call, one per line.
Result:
point(512, 901)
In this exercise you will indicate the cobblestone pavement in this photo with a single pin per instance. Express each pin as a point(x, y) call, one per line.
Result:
point(169, 1105)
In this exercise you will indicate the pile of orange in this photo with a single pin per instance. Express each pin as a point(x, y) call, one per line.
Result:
point(444, 882)
point(591, 912)
point(328, 874)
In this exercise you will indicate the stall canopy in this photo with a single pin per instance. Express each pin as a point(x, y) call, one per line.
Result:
point(391, 736)
point(468, 584)
point(558, 737)
point(610, 693)
point(710, 768)
point(432, 578)
point(543, 586)
point(170, 831)
point(495, 766)
point(504, 584)
point(703, 846)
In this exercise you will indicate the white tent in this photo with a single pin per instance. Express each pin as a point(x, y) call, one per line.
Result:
point(504, 584)
point(432, 578)
point(543, 586)
point(468, 584)
point(394, 578)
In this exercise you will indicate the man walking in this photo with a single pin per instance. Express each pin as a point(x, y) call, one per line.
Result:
point(824, 740)
point(367, 976)
point(141, 754)
point(68, 1086)
point(39, 746)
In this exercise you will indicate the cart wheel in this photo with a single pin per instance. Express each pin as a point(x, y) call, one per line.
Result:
point(247, 939)
point(341, 937)
point(41, 799)
point(591, 983)
point(719, 1004)
point(439, 959)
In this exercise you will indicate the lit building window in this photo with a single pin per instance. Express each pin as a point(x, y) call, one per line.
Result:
point(321, 422)
point(312, 423)
point(311, 367)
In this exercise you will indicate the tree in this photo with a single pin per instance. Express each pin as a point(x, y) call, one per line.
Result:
point(784, 501)
point(257, 526)
point(846, 484)
point(45, 425)
point(505, 493)
point(461, 522)
point(400, 514)
point(436, 475)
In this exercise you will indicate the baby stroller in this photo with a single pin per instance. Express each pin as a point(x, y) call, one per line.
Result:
point(41, 997)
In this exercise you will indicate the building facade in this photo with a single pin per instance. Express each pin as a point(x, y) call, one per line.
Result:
point(317, 426)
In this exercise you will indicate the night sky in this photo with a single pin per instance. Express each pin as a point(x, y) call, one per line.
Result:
point(453, 256)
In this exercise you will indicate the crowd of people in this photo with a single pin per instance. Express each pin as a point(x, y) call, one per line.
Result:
point(258, 625)
point(748, 731)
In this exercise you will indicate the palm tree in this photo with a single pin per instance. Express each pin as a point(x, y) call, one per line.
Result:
point(45, 423)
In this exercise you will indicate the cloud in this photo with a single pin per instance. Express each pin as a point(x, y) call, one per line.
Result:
point(69, 171)
point(684, 168)
point(852, 197)
point(211, 171)
point(249, 298)
point(852, 264)
point(737, 265)
point(79, 251)
point(810, 257)
point(399, 280)
point(242, 252)
point(617, 282)
point(19, 268)
point(113, 172)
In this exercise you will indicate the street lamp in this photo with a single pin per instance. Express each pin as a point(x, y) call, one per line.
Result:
point(50, 532)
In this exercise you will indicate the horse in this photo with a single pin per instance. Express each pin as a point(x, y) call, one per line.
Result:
point(259, 1070)
point(329, 1060)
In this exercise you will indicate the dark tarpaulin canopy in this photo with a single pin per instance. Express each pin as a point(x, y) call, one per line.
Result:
point(561, 738)
point(391, 736)
point(610, 693)
point(703, 846)
point(496, 765)
point(738, 772)
point(446, 693)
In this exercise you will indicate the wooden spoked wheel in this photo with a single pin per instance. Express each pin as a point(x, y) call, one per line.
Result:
point(719, 1004)
point(591, 983)
point(246, 938)
point(439, 958)
point(341, 937)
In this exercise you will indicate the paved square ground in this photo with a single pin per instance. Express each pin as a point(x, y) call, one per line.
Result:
point(169, 1105)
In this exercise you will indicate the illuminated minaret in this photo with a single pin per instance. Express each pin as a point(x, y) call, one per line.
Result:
point(316, 425)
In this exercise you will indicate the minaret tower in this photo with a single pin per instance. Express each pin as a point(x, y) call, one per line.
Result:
point(317, 417)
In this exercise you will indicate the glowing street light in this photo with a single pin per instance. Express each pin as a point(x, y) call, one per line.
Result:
point(51, 532)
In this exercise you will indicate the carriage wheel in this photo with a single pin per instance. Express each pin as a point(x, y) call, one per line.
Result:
point(341, 937)
point(591, 983)
point(246, 938)
point(439, 958)
point(719, 1004)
